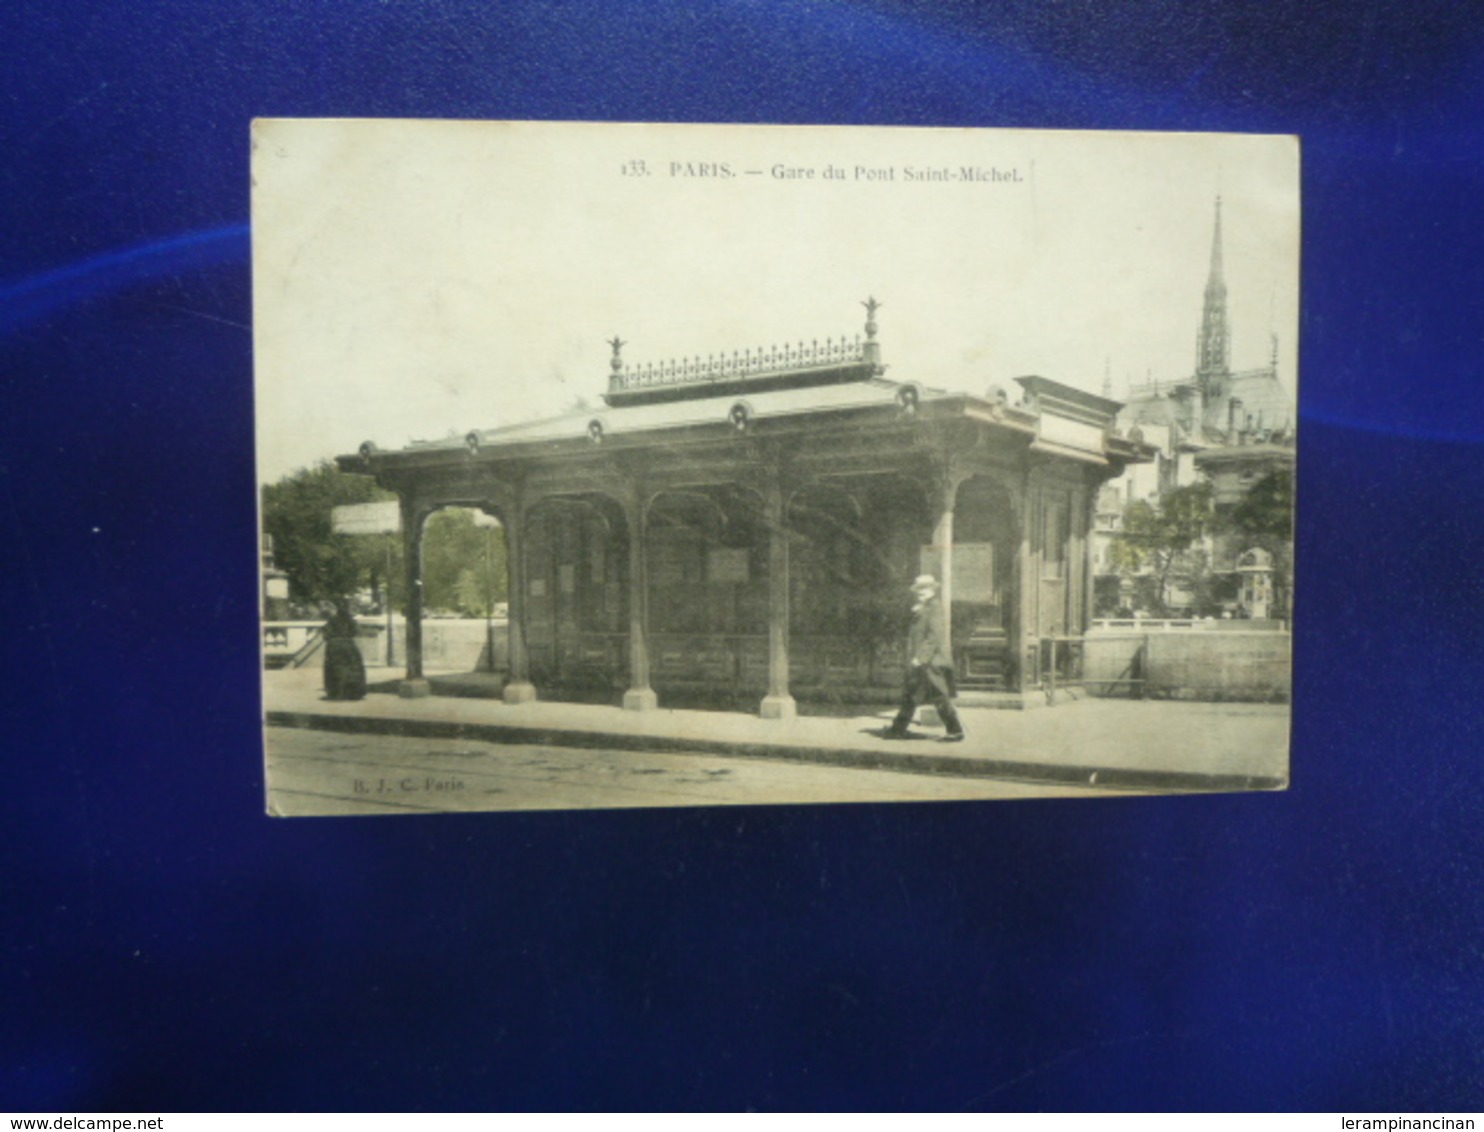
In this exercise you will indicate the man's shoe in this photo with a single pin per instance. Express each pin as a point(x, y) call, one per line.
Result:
point(894, 733)
point(958, 738)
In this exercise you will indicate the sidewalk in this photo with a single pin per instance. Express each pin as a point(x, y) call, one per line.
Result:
point(1117, 744)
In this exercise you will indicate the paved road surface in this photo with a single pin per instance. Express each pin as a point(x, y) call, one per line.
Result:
point(1131, 744)
point(321, 772)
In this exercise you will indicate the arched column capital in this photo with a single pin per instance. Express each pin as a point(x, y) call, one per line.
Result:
point(947, 472)
point(498, 497)
point(415, 511)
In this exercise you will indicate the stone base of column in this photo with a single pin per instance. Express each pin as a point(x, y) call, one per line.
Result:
point(414, 689)
point(778, 707)
point(640, 699)
point(520, 692)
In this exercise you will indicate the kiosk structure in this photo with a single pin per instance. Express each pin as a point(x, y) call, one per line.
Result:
point(740, 530)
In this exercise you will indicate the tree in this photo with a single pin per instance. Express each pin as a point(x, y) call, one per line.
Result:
point(1264, 518)
point(463, 562)
point(321, 566)
point(1158, 539)
point(1265, 513)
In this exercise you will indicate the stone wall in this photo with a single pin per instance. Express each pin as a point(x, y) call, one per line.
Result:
point(449, 645)
point(1195, 664)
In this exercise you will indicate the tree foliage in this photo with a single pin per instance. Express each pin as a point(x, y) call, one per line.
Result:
point(1158, 539)
point(1176, 540)
point(322, 566)
point(1265, 513)
point(464, 564)
point(1264, 518)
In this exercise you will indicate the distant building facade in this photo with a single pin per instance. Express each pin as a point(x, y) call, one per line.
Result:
point(275, 599)
point(1223, 426)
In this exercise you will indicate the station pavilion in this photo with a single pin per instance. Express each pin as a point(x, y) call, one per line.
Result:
point(745, 527)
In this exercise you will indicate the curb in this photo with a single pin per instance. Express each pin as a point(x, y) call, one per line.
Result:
point(951, 766)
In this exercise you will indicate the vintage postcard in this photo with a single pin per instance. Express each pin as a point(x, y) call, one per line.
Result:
point(633, 465)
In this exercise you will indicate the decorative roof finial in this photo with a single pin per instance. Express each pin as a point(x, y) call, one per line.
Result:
point(871, 349)
point(616, 363)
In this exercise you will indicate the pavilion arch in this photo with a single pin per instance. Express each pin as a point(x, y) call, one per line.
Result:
point(855, 543)
point(415, 513)
point(984, 585)
point(706, 563)
point(574, 608)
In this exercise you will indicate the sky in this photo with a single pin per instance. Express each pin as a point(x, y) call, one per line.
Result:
point(415, 280)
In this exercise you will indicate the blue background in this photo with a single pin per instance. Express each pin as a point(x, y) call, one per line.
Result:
point(165, 946)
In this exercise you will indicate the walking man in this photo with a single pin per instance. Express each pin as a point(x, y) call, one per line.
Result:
point(929, 665)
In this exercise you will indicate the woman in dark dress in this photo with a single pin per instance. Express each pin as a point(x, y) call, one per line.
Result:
point(345, 671)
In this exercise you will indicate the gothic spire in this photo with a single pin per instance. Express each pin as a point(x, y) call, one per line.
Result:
point(1213, 347)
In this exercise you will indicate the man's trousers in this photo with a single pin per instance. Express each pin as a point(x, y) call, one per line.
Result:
point(927, 684)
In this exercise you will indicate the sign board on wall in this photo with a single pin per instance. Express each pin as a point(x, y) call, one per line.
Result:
point(367, 518)
point(727, 565)
point(973, 570)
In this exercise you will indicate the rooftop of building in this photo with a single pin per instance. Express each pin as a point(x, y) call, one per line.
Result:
point(781, 384)
point(1262, 449)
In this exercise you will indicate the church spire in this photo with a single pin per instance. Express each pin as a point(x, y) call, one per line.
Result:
point(1213, 347)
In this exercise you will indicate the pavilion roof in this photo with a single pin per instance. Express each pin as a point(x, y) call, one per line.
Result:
point(769, 404)
point(802, 384)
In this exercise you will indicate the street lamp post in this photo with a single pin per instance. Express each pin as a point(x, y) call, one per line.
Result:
point(483, 518)
point(489, 603)
point(383, 518)
point(386, 585)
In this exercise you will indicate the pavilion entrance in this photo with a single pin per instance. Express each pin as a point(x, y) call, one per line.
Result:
point(576, 596)
point(985, 543)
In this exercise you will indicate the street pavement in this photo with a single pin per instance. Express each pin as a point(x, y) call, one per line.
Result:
point(314, 772)
point(1132, 746)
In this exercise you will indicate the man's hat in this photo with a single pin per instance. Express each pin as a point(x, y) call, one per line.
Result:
point(925, 582)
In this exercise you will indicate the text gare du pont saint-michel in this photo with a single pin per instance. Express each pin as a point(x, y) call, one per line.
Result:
point(906, 174)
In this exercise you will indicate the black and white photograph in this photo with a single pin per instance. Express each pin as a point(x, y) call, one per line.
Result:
point(646, 465)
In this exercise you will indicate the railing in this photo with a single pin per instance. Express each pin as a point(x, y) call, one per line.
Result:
point(292, 644)
point(288, 644)
point(1132, 676)
point(1167, 624)
point(1151, 624)
point(1059, 660)
point(1229, 663)
point(741, 364)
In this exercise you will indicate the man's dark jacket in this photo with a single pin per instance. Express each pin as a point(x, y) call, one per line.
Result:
point(925, 644)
